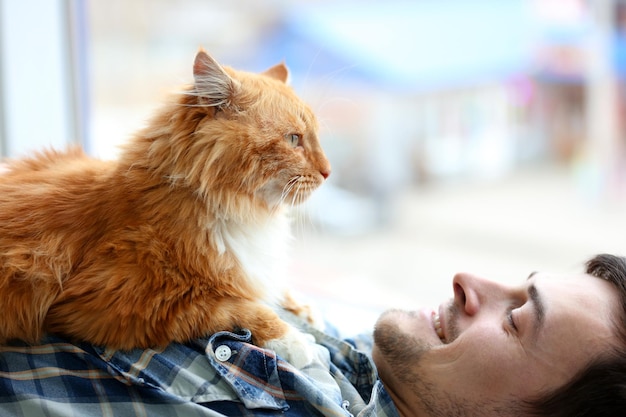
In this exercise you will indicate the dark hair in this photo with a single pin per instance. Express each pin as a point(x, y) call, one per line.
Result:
point(599, 389)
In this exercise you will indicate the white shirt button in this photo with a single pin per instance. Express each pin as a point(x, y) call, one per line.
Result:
point(223, 353)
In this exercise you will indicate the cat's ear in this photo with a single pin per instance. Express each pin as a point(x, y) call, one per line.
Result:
point(279, 72)
point(213, 86)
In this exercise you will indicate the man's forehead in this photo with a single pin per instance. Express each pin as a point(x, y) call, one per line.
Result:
point(577, 304)
point(579, 320)
point(574, 291)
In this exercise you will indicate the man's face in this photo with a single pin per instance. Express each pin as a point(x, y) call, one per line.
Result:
point(493, 345)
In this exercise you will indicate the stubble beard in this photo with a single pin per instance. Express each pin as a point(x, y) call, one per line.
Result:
point(404, 353)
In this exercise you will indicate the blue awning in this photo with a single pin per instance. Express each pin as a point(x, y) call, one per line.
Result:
point(410, 45)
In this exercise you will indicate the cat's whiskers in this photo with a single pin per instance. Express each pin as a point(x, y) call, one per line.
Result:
point(301, 194)
point(294, 187)
point(287, 189)
point(301, 197)
point(294, 196)
point(303, 214)
point(294, 182)
point(285, 192)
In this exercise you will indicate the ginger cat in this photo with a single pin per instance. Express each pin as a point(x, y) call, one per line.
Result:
point(182, 236)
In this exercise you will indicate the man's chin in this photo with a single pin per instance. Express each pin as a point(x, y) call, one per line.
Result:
point(413, 328)
point(402, 337)
point(398, 346)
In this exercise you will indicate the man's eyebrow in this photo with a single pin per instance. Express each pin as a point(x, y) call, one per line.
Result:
point(539, 308)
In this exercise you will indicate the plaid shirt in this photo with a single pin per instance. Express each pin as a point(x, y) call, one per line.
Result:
point(223, 375)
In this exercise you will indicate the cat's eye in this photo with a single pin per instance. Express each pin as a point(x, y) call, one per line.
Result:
point(293, 139)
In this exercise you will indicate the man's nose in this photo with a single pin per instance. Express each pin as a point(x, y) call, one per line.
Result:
point(472, 292)
point(465, 295)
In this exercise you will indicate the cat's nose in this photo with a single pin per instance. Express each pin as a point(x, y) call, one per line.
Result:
point(325, 173)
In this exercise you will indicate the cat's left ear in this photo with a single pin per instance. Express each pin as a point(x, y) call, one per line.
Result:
point(279, 72)
point(213, 86)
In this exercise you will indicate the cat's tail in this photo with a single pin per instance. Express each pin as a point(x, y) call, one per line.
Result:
point(41, 161)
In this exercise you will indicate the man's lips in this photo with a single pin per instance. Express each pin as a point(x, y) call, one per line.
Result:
point(437, 325)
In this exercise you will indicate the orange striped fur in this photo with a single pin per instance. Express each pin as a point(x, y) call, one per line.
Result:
point(182, 236)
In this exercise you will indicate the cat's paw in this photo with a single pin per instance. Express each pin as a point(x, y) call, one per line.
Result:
point(295, 347)
point(315, 317)
point(310, 314)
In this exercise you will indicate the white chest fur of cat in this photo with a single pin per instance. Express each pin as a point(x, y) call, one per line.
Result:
point(262, 250)
point(184, 235)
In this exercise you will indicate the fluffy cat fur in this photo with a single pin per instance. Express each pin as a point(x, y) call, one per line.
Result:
point(182, 236)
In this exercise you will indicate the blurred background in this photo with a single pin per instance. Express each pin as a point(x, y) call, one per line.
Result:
point(478, 135)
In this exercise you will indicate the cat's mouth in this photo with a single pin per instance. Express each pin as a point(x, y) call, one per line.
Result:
point(296, 191)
